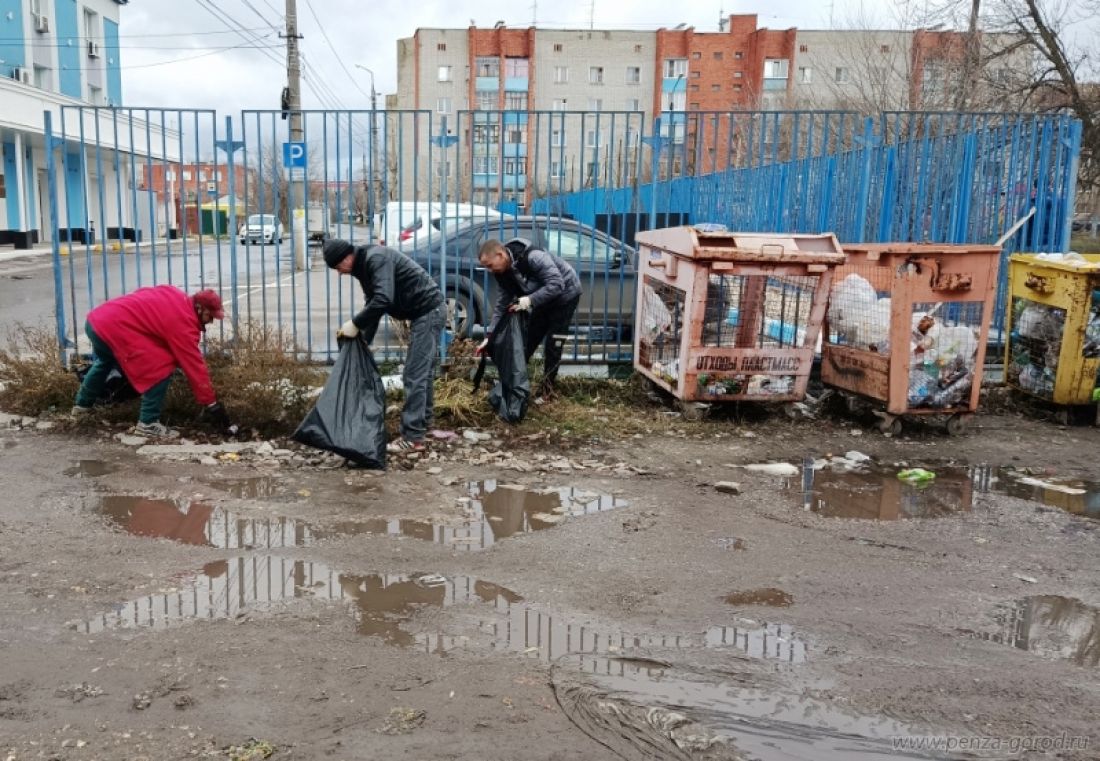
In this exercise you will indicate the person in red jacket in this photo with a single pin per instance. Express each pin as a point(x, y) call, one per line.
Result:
point(146, 335)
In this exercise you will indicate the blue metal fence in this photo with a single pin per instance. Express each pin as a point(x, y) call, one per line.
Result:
point(174, 192)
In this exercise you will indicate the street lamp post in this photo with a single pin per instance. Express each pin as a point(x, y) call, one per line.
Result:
point(372, 145)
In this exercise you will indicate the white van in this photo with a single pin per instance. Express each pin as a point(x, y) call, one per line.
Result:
point(404, 225)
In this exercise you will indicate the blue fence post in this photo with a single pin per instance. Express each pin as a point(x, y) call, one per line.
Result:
point(1071, 183)
point(58, 288)
point(230, 147)
point(889, 196)
point(864, 197)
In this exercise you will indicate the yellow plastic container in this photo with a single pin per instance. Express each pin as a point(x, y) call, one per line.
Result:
point(1052, 349)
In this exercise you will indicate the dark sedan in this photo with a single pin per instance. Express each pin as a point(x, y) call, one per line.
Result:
point(604, 264)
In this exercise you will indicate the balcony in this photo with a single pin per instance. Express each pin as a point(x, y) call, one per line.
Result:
point(515, 150)
point(515, 84)
point(487, 83)
point(515, 118)
point(774, 83)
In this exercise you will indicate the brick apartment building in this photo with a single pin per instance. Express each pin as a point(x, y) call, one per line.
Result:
point(539, 110)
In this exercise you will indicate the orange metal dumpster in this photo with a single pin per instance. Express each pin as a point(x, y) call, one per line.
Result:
point(907, 327)
point(731, 316)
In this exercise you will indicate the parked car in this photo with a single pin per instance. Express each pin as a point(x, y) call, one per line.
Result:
point(606, 267)
point(261, 228)
point(406, 225)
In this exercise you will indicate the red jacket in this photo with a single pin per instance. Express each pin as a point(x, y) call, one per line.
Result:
point(152, 331)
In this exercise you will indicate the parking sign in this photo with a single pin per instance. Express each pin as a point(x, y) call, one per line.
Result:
point(294, 155)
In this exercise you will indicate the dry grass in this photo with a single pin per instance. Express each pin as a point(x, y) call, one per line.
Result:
point(31, 374)
point(255, 376)
point(266, 389)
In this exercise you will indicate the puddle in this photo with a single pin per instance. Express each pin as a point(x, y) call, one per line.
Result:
point(205, 525)
point(385, 606)
point(91, 469)
point(1050, 626)
point(496, 511)
point(874, 492)
point(770, 596)
point(877, 494)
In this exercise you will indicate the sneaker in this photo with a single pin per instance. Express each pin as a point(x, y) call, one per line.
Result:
point(79, 413)
point(404, 445)
point(156, 430)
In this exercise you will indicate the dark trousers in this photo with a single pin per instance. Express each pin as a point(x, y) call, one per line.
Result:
point(152, 401)
point(545, 323)
point(419, 376)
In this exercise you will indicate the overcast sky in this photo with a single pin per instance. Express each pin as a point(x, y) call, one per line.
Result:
point(225, 71)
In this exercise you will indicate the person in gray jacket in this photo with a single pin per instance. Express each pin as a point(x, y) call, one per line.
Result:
point(397, 286)
point(536, 281)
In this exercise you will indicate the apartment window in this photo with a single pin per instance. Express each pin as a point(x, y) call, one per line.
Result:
point(738, 55)
point(515, 67)
point(217, 176)
point(487, 67)
point(441, 46)
point(884, 49)
point(737, 88)
point(557, 47)
point(595, 75)
point(556, 169)
point(805, 75)
point(443, 168)
point(443, 106)
point(633, 75)
point(803, 48)
point(637, 48)
point(696, 74)
point(841, 75)
point(716, 88)
point(595, 104)
point(487, 101)
point(557, 138)
point(594, 138)
point(694, 106)
point(696, 55)
point(515, 101)
point(486, 133)
point(676, 101)
point(558, 104)
point(515, 166)
point(444, 74)
point(738, 74)
point(694, 88)
point(718, 55)
point(633, 104)
point(591, 170)
point(675, 67)
point(202, 176)
point(515, 136)
point(170, 176)
point(561, 75)
point(486, 164)
point(90, 31)
point(632, 138)
point(186, 176)
point(775, 68)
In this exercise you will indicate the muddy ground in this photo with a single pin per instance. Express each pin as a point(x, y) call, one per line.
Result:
point(268, 608)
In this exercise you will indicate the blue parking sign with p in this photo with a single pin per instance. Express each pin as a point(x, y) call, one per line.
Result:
point(294, 155)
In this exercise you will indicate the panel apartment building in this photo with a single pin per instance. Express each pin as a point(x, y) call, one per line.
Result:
point(537, 111)
point(56, 53)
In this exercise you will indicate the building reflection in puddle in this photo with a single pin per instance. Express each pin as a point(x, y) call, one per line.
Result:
point(384, 604)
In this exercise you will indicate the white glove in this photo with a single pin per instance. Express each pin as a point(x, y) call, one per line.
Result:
point(481, 347)
point(523, 304)
point(347, 330)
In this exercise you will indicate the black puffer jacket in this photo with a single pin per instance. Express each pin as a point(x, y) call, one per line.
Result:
point(394, 284)
point(546, 279)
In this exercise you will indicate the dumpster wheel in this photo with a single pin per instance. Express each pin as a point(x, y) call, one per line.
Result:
point(887, 423)
point(957, 424)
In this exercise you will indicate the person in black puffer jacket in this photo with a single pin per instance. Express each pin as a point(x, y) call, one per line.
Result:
point(397, 286)
point(537, 281)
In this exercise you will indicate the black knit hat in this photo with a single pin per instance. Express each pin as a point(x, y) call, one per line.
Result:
point(336, 250)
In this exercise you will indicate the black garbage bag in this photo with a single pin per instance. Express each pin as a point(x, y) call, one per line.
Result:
point(510, 395)
point(116, 389)
point(349, 417)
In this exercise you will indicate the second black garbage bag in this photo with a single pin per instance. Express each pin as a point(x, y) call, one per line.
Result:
point(512, 392)
point(350, 415)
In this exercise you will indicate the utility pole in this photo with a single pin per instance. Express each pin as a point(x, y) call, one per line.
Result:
point(295, 190)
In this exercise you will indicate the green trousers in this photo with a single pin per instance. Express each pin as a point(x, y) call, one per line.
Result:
point(152, 401)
